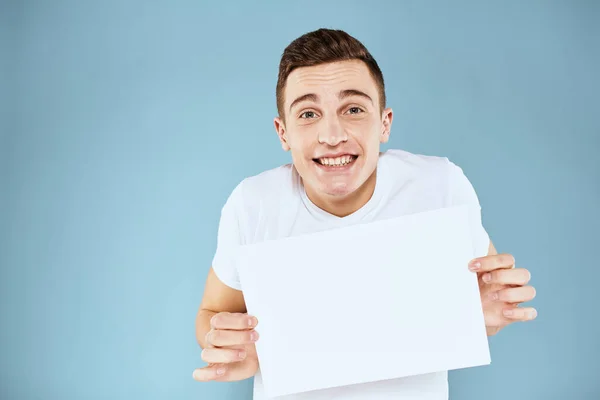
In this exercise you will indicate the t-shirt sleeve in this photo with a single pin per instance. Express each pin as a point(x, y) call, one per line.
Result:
point(463, 193)
point(229, 239)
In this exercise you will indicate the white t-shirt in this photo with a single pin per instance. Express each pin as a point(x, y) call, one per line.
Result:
point(274, 205)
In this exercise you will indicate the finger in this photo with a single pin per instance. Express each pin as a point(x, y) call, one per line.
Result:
point(222, 356)
point(490, 263)
point(212, 372)
point(517, 276)
point(233, 321)
point(221, 337)
point(521, 314)
point(515, 295)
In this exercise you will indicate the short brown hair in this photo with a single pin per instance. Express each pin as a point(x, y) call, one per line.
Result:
point(320, 47)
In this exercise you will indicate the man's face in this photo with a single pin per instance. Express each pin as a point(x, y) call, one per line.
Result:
point(333, 126)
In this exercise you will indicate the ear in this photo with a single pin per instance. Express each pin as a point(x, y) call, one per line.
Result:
point(386, 126)
point(280, 129)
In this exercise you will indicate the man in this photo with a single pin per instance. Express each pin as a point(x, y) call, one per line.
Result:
point(333, 118)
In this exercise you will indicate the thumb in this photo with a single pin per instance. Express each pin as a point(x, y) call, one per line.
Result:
point(209, 373)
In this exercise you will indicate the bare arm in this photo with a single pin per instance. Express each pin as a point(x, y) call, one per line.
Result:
point(226, 334)
point(217, 298)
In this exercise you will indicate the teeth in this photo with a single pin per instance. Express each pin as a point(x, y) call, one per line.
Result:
point(336, 162)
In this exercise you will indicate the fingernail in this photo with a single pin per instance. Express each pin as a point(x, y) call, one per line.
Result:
point(508, 313)
point(195, 374)
point(474, 265)
point(251, 322)
point(487, 278)
point(533, 314)
point(221, 371)
point(242, 355)
point(254, 336)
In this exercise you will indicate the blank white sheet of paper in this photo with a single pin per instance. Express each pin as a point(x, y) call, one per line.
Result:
point(364, 303)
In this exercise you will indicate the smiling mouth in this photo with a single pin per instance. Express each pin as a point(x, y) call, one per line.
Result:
point(337, 161)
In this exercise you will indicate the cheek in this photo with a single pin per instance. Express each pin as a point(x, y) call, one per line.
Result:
point(366, 132)
point(301, 144)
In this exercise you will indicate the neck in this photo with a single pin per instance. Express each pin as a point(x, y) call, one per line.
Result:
point(344, 206)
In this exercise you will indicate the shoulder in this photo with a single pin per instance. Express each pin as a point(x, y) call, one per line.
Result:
point(257, 191)
point(436, 172)
point(255, 204)
point(266, 184)
point(418, 165)
point(269, 180)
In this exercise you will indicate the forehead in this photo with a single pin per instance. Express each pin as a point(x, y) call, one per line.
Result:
point(329, 79)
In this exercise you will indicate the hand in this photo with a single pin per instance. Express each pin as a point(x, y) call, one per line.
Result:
point(230, 349)
point(503, 288)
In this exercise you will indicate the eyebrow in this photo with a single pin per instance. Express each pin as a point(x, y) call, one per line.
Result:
point(306, 97)
point(341, 95)
point(353, 92)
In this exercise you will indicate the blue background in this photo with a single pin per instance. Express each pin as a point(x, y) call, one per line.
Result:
point(125, 125)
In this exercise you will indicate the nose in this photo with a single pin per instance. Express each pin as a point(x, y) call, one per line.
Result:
point(332, 133)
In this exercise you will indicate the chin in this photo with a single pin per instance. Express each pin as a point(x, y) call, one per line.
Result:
point(340, 189)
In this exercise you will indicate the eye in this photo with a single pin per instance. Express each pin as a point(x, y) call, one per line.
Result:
point(355, 110)
point(308, 114)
